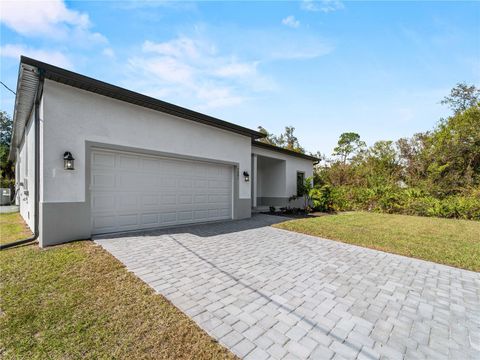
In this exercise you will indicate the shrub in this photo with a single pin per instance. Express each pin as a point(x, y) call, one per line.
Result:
point(322, 198)
point(393, 199)
point(7, 183)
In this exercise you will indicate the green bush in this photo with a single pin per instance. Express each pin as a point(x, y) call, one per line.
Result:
point(322, 199)
point(395, 200)
point(7, 183)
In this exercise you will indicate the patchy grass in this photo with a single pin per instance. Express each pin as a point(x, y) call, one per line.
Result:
point(77, 301)
point(12, 227)
point(445, 241)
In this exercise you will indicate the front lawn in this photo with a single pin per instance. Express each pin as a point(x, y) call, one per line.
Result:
point(445, 241)
point(12, 227)
point(76, 301)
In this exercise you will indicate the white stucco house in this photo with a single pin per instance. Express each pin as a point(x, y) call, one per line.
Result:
point(139, 162)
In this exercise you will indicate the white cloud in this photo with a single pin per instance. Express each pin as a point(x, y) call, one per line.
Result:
point(51, 57)
point(237, 69)
point(181, 47)
point(167, 69)
point(48, 18)
point(325, 6)
point(109, 52)
point(193, 69)
point(291, 21)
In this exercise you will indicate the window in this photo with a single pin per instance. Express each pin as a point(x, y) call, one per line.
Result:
point(300, 182)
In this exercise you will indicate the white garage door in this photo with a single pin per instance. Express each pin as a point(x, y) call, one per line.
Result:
point(132, 191)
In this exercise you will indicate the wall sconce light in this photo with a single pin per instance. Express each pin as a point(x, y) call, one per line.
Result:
point(68, 161)
point(246, 176)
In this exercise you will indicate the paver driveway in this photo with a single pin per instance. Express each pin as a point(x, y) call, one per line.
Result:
point(269, 293)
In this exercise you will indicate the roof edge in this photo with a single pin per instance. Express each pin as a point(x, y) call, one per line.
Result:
point(284, 151)
point(83, 82)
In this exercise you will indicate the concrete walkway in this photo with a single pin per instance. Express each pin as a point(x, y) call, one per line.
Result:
point(5, 209)
point(266, 293)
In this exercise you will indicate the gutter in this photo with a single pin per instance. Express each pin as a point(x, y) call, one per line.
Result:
point(38, 97)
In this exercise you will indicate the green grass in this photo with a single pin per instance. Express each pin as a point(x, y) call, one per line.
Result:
point(445, 241)
point(77, 301)
point(12, 228)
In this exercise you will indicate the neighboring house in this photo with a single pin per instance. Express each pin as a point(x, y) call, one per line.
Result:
point(139, 162)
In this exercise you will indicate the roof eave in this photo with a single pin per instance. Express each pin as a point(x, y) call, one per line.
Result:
point(27, 85)
point(96, 86)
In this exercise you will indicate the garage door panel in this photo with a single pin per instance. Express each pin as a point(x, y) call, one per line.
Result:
point(169, 218)
point(103, 202)
point(150, 220)
point(168, 199)
point(201, 214)
point(150, 165)
point(213, 213)
point(185, 199)
point(104, 221)
point(169, 182)
point(103, 180)
point(223, 212)
point(185, 183)
point(134, 191)
point(201, 199)
point(103, 160)
point(128, 162)
point(149, 200)
point(127, 220)
point(128, 201)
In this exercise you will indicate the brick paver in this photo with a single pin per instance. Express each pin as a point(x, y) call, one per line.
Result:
point(267, 293)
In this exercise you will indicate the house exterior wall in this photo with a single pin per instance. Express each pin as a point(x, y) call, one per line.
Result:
point(293, 164)
point(271, 181)
point(25, 180)
point(75, 118)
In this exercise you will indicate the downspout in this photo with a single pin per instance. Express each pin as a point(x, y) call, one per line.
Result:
point(36, 222)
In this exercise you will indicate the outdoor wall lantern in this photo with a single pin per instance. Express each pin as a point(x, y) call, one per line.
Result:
point(246, 176)
point(68, 161)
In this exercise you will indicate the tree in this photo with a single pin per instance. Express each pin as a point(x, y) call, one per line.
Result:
point(452, 153)
point(349, 144)
point(6, 167)
point(269, 138)
point(411, 153)
point(287, 140)
point(379, 165)
point(462, 97)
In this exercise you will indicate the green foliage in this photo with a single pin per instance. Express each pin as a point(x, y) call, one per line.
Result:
point(6, 167)
point(435, 173)
point(412, 201)
point(305, 190)
point(452, 153)
point(348, 145)
point(462, 97)
point(322, 198)
point(287, 140)
point(7, 183)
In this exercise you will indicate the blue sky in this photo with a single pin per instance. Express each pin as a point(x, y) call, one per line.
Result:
point(325, 67)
